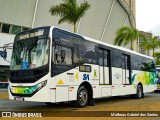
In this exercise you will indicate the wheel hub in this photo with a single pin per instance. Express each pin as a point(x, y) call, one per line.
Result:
point(139, 91)
point(83, 97)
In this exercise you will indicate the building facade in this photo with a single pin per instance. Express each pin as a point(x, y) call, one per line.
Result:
point(100, 22)
point(140, 48)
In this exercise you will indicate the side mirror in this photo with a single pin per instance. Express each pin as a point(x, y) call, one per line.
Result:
point(63, 54)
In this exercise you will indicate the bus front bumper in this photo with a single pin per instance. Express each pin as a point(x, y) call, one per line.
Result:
point(34, 94)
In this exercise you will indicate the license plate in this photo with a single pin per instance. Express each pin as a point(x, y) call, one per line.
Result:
point(19, 98)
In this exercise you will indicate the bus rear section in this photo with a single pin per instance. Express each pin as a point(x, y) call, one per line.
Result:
point(158, 76)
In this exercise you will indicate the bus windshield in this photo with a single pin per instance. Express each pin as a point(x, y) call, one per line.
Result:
point(30, 53)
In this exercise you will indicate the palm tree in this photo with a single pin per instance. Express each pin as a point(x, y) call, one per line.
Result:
point(157, 57)
point(126, 35)
point(150, 43)
point(69, 11)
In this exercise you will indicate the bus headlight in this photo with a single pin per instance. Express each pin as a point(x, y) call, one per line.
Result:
point(42, 84)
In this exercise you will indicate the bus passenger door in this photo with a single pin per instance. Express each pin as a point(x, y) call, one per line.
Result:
point(104, 67)
point(126, 69)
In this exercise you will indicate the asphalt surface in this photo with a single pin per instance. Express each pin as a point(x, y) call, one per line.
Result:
point(3, 91)
point(105, 103)
point(6, 104)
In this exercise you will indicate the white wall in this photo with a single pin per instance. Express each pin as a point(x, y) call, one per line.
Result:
point(116, 20)
point(4, 62)
point(20, 12)
point(5, 39)
point(92, 23)
point(44, 18)
point(17, 12)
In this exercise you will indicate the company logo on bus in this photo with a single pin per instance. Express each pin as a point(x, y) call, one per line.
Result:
point(86, 77)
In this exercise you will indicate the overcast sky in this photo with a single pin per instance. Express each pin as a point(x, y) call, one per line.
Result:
point(148, 15)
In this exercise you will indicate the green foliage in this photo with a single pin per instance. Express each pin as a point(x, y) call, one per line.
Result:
point(126, 35)
point(150, 43)
point(147, 66)
point(69, 11)
point(157, 57)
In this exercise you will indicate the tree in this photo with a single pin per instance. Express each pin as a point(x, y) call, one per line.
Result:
point(150, 43)
point(69, 11)
point(157, 57)
point(126, 35)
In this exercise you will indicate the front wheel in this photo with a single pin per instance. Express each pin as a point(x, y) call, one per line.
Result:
point(82, 97)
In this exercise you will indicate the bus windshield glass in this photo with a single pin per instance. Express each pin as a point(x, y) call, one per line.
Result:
point(30, 53)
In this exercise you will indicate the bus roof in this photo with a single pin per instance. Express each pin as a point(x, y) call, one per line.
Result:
point(116, 47)
point(103, 43)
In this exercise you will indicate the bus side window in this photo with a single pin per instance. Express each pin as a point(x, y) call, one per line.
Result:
point(136, 62)
point(58, 55)
point(151, 65)
point(68, 56)
point(63, 59)
point(117, 59)
point(100, 57)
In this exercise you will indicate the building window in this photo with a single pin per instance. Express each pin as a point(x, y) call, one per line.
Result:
point(5, 28)
point(12, 29)
point(16, 29)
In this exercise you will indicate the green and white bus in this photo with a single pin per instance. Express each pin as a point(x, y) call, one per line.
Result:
point(52, 65)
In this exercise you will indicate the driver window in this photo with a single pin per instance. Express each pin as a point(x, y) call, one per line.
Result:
point(59, 60)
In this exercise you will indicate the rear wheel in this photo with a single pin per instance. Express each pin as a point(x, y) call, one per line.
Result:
point(82, 97)
point(139, 94)
point(49, 104)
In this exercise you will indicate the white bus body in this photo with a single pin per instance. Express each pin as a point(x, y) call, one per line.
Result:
point(53, 65)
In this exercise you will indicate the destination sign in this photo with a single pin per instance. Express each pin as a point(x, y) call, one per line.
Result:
point(37, 32)
point(40, 32)
point(85, 68)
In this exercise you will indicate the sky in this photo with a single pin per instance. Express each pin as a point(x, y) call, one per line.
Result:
point(148, 16)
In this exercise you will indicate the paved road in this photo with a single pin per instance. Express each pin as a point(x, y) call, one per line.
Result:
point(3, 90)
point(150, 102)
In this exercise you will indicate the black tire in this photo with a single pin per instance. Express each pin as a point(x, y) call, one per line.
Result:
point(49, 104)
point(139, 94)
point(82, 97)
